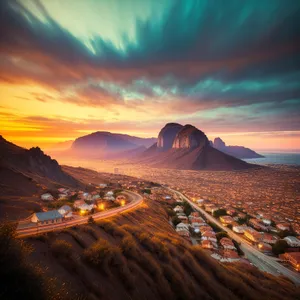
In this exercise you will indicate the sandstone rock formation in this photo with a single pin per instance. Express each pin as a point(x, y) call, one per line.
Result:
point(167, 135)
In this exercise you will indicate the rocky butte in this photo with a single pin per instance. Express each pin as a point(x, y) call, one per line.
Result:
point(187, 147)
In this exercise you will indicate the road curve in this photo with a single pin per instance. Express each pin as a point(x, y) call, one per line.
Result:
point(260, 260)
point(136, 200)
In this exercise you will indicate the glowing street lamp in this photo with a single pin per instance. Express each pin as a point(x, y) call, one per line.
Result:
point(122, 202)
point(101, 206)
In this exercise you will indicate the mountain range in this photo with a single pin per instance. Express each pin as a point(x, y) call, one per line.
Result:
point(103, 144)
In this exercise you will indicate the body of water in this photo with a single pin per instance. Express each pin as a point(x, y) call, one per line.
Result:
point(276, 158)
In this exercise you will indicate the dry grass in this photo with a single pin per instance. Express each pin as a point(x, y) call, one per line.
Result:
point(61, 248)
point(143, 251)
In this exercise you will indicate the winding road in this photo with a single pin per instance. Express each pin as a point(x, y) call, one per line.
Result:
point(135, 198)
point(260, 260)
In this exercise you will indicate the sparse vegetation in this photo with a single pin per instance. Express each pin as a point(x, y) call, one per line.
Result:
point(279, 247)
point(19, 278)
point(175, 220)
point(91, 220)
point(61, 248)
point(221, 235)
point(219, 213)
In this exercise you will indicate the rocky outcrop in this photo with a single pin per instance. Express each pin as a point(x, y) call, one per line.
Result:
point(219, 144)
point(34, 164)
point(167, 135)
point(190, 150)
point(236, 151)
point(190, 137)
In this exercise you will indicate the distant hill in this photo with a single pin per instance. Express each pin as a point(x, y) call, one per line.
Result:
point(22, 171)
point(236, 151)
point(186, 147)
point(102, 143)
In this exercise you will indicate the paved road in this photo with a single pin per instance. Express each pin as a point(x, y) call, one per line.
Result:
point(135, 198)
point(262, 261)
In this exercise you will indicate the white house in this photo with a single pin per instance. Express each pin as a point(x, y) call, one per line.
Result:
point(65, 211)
point(86, 207)
point(47, 197)
point(183, 229)
point(178, 209)
point(292, 241)
point(267, 221)
point(200, 201)
point(109, 194)
point(102, 185)
point(48, 217)
point(239, 229)
point(182, 226)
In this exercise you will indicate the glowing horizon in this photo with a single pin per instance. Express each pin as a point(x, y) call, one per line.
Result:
point(71, 68)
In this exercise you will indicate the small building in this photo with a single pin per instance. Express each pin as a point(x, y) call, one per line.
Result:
point(283, 226)
point(209, 236)
point(292, 241)
point(253, 235)
point(227, 243)
point(86, 207)
point(178, 209)
point(226, 220)
point(269, 238)
point(292, 258)
point(265, 248)
point(206, 244)
point(48, 217)
point(200, 201)
point(239, 229)
point(183, 230)
point(47, 197)
point(65, 211)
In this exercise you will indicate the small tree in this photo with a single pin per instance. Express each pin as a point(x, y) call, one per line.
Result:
point(220, 212)
point(221, 235)
point(91, 220)
point(279, 247)
point(175, 220)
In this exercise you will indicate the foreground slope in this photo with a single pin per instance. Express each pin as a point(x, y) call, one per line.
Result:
point(138, 255)
point(24, 175)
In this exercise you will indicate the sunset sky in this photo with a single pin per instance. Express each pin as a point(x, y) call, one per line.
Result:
point(72, 67)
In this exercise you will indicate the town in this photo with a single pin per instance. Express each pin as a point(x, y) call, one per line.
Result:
point(275, 240)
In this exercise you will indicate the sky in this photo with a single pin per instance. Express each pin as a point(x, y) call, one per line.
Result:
point(72, 67)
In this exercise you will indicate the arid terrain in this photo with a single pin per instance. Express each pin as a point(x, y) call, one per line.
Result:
point(275, 189)
point(138, 255)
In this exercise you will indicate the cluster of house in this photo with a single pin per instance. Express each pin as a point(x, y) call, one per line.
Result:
point(85, 203)
point(225, 251)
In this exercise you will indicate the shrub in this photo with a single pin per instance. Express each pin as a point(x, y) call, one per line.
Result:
point(19, 279)
point(90, 230)
point(221, 235)
point(91, 220)
point(105, 256)
point(279, 247)
point(175, 220)
point(112, 228)
point(129, 247)
point(61, 248)
point(220, 212)
point(77, 238)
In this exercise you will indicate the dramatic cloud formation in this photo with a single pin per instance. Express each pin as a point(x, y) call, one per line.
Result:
point(229, 67)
